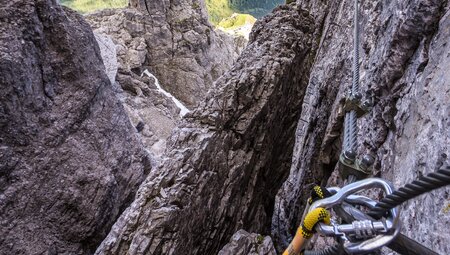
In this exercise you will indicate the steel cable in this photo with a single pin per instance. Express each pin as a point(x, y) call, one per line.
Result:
point(418, 187)
point(355, 85)
point(350, 124)
point(350, 142)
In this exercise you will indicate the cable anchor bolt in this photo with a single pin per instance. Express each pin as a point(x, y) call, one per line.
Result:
point(353, 103)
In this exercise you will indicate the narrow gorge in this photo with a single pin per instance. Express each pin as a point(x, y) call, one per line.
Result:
point(149, 130)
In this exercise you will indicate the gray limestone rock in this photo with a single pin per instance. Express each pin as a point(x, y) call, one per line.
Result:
point(147, 107)
point(145, 41)
point(144, 104)
point(131, 45)
point(109, 55)
point(70, 162)
point(244, 243)
point(226, 160)
point(174, 40)
point(245, 160)
point(404, 52)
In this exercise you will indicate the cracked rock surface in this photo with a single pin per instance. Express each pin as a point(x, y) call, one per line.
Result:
point(404, 52)
point(70, 161)
point(174, 40)
point(226, 161)
point(244, 243)
point(239, 167)
point(177, 45)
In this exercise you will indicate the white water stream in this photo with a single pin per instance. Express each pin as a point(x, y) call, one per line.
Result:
point(183, 109)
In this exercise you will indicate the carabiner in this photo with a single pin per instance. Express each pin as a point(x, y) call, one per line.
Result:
point(383, 231)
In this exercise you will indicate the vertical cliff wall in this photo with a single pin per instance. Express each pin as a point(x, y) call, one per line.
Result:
point(175, 41)
point(405, 51)
point(69, 158)
point(226, 161)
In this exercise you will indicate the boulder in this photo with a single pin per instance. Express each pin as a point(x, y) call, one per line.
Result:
point(70, 160)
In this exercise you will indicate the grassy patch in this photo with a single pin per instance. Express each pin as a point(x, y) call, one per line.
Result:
point(218, 10)
point(237, 20)
point(85, 6)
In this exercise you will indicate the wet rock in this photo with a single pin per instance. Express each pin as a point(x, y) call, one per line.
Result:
point(70, 161)
point(227, 159)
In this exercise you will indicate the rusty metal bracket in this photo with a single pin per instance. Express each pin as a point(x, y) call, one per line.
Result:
point(353, 103)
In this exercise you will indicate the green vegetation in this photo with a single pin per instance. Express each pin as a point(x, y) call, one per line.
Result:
point(257, 8)
point(85, 6)
point(259, 239)
point(237, 24)
point(237, 20)
point(218, 10)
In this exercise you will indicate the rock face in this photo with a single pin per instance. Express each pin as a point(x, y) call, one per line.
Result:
point(174, 41)
point(226, 161)
point(153, 114)
point(244, 243)
point(179, 47)
point(246, 159)
point(109, 56)
point(130, 43)
point(70, 161)
point(405, 53)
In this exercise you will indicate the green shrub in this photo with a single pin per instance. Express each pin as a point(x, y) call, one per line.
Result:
point(237, 20)
point(218, 10)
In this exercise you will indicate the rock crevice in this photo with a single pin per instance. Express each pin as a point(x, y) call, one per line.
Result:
point(226, 161)
point(396, 47)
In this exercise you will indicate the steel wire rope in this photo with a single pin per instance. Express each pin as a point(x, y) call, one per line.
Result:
point(411, 190)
